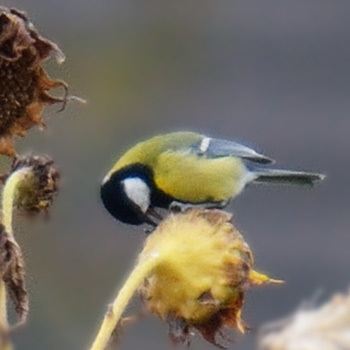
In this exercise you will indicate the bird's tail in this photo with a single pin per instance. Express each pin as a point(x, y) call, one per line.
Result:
point(279, 176)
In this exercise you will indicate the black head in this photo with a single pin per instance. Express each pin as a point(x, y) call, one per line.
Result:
point(127, 194)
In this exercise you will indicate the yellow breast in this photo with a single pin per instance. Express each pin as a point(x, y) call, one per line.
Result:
point(190, 178)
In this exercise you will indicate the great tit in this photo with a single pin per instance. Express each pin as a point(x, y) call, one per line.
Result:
point(188, 168)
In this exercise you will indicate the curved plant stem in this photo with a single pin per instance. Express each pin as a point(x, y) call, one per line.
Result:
point(8, 198)
point(113, 315)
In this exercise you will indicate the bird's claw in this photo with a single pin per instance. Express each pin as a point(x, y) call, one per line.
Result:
point(178, 207)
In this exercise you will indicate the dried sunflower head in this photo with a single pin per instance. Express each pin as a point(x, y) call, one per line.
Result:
point(204, 269)
point(24, 84)
point(39, 186)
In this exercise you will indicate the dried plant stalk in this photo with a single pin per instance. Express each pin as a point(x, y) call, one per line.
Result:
point(12, 264)
point(30, 186)
point(115, 310)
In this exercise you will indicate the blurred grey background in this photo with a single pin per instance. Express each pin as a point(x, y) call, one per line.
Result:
point(272, 74)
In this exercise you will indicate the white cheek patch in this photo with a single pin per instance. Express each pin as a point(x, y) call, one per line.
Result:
point(204, 144)
point(138, 192)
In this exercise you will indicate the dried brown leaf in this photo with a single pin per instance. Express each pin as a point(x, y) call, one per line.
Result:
point(13, 274)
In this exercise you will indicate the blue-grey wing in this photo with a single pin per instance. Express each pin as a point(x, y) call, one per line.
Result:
point(215, 148)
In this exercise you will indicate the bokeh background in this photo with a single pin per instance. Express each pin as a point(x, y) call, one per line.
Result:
point(273, 74)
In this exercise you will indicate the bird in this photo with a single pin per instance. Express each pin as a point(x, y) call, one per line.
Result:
point(181, 169)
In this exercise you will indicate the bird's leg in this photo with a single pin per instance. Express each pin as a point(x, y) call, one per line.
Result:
point(221, 204)
point(179, 207)
point(154, 214)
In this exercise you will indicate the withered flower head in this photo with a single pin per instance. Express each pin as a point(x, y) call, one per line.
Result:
point(192, 273)
point(205, 267)
point(24, 84)
point(39, 186)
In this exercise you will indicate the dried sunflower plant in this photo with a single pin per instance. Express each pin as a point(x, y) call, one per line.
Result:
point(195, 267)
point(32, 181)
